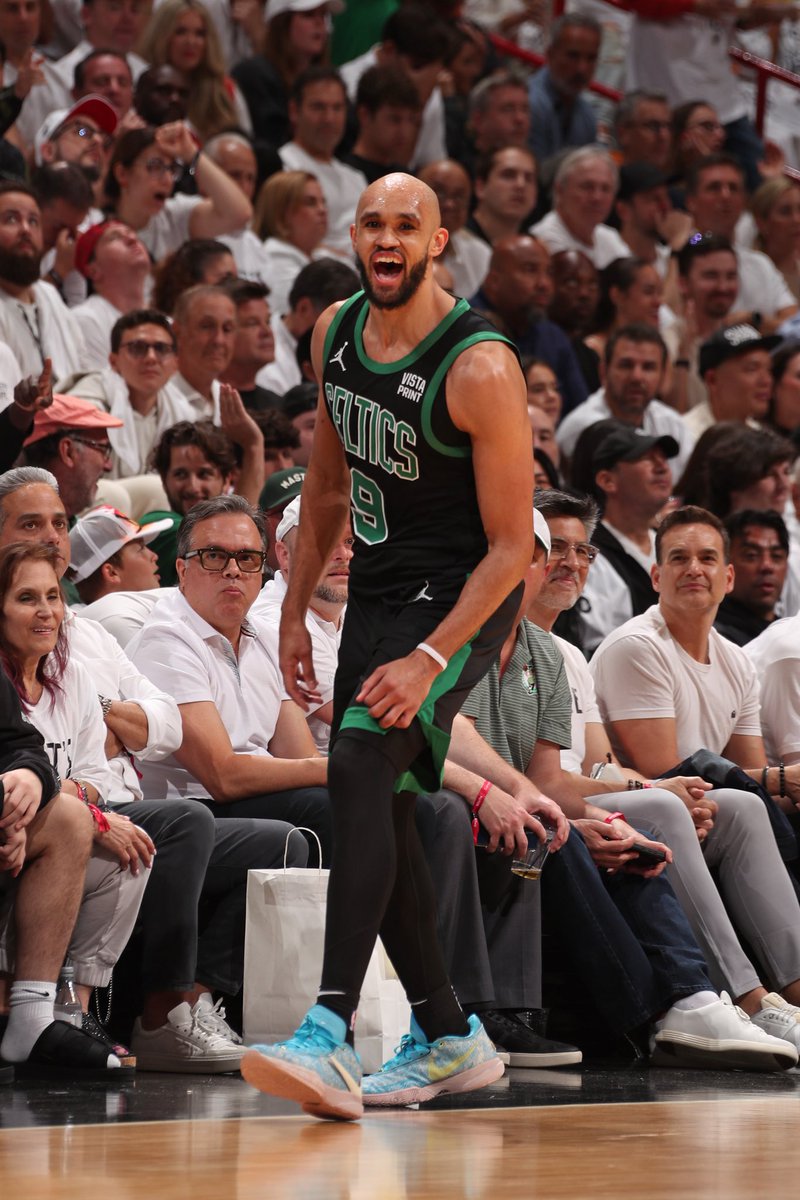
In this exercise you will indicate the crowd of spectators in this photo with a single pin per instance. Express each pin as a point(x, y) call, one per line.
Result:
point(177, 183)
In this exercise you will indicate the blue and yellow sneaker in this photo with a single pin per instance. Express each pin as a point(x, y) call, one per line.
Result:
point(316, 1068)
point(421, 1070)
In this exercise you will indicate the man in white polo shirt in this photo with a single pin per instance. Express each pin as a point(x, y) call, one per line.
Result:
point(247, 750)
point(583, 192)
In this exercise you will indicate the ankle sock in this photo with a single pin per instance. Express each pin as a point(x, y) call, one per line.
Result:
point(440, 1014)
point(342, 1004)
point(30, 1012)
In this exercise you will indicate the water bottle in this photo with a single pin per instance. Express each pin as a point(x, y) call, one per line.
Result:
point(67, 1005)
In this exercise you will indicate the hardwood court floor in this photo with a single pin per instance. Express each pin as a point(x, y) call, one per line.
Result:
point(685, 1135)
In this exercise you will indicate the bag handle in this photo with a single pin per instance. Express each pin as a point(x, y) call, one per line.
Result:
point(302, 829)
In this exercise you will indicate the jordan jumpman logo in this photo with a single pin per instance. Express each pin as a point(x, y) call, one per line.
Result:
point(423, 593)
point(337, 357)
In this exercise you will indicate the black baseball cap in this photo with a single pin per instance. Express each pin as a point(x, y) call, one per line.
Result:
point(625, 443)
point(639, 177)
point(732, 341)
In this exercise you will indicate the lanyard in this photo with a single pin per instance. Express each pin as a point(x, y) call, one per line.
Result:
point(34, 327)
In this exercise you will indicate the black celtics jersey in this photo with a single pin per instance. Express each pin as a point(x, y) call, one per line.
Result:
point(413, 497)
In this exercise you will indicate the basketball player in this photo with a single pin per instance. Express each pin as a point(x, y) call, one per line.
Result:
point(422, 435)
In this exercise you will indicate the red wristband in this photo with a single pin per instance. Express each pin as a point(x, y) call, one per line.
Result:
point(100, 819)
point(613, 817)
point(476, 807)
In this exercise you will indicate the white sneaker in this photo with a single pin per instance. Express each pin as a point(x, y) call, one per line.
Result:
point(212, 1016)
point(775, 1000)
point(778, 1023)
point(720, 1035)
point(187, 1043)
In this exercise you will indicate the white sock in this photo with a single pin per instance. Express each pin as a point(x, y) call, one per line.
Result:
point(698, 1000)
point(30, 1012)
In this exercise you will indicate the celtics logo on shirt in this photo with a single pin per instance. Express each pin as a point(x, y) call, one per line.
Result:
point(529, 678)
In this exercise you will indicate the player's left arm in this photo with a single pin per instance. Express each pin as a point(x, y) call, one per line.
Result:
point(486, 398)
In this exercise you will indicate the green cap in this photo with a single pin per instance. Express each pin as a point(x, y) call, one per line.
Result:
point(281, 487)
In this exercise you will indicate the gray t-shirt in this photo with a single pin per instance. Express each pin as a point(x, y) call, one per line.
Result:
point(532, 700)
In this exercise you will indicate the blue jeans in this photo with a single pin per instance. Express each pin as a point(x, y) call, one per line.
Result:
point(626, 937)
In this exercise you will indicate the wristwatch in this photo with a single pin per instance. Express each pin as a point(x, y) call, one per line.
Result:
point(105, 704)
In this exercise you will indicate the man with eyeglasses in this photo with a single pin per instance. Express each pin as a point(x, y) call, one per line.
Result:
point(132, 384)
point(83, 135)
point(35, 323)
point(247, 750)
point(643, 129)
point(631, 477)
point(71, 440)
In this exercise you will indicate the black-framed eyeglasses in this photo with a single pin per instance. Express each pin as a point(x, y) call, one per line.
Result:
point(214, 558)
point(157, 166)
point(585, 552)
point(140, 348)
point(104, 448)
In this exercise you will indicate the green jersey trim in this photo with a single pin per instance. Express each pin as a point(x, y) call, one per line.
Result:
point(436, 382)
point(401, 364)
point(333, 328)
point(425, 773)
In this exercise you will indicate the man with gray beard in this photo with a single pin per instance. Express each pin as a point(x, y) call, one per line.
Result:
point(35, 323)
point(323, 617)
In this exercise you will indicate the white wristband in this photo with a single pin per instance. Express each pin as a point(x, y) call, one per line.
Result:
point(434, 654)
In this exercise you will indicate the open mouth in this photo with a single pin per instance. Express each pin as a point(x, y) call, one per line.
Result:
point(386, 269)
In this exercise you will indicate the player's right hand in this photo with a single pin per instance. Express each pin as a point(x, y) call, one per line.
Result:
point(297, 664)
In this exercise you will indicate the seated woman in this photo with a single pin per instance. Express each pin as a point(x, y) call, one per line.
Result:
point(784, 407)
point(182, 35)
point(292, 217)
point(200, 260)
point(144, 167)
point(696, 133)
point(61, 701)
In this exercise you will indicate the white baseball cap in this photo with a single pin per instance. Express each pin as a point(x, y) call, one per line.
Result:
point(541, 530)
point(96, 107)
point(101, 533)
point(276, 7)
point(290, 519)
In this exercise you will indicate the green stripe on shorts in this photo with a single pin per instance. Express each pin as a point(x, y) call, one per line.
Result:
point(420, 776)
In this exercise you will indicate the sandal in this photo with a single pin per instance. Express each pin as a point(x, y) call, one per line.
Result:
point(64, 1050)
point(95, 1030)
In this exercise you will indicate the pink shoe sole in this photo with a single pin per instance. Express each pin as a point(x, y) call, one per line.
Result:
point(279, 1078)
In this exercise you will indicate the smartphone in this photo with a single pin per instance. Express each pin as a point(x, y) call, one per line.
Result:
point(646, 856)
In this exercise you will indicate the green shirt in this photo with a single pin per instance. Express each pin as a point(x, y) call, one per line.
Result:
point(532, 700)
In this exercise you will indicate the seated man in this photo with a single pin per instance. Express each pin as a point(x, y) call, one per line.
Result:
point(198, 861)
point(760, 560)
point(676, 810)
point(254, 345)
point(667, 685)
point(734, 365)
point(197, 461)
point(246, 749)
point(583, 195)
point(561, 116)
point(278, 492)
point(281, 440)
point(70, 438)
point(111, 257)
point(114, 571)
point(625, 935)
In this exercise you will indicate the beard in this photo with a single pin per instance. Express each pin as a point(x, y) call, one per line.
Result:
point(20, 269)
point(409, 288)
point(331, 595)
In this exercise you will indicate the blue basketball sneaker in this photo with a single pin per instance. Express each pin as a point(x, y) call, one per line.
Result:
point(421, 1070)
point(316, 1068)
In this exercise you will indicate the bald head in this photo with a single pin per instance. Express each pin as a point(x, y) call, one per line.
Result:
point(400, 193)
point(520, 278)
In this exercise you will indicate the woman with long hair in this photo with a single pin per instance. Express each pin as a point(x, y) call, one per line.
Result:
point(200, 260)
point(292, 217)
point(295, 38)
point(696, 133)
point(60, 700)
point(144, 168)
point(734, 467)
point(181, 34)
point(776, 211)
point(630, 294)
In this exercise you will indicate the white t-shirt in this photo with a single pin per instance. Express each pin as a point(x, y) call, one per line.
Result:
point(658, 419)
point(10, 376)
point(606, 245)
point(283, 372)
point(283, 263)
point(122, 614)
point(188, 658)
point(762, 288)
point(325, 640)
point(113, 675)
point(467, 259)
point(584, 704)
point(341, 185)
point(169, 229)
point(431, 145)
point(73, 730)
point(44, 329)
point(97, 317)
point(775, 654)
point(640, 671)
point(250, 257)
point(687, 59)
